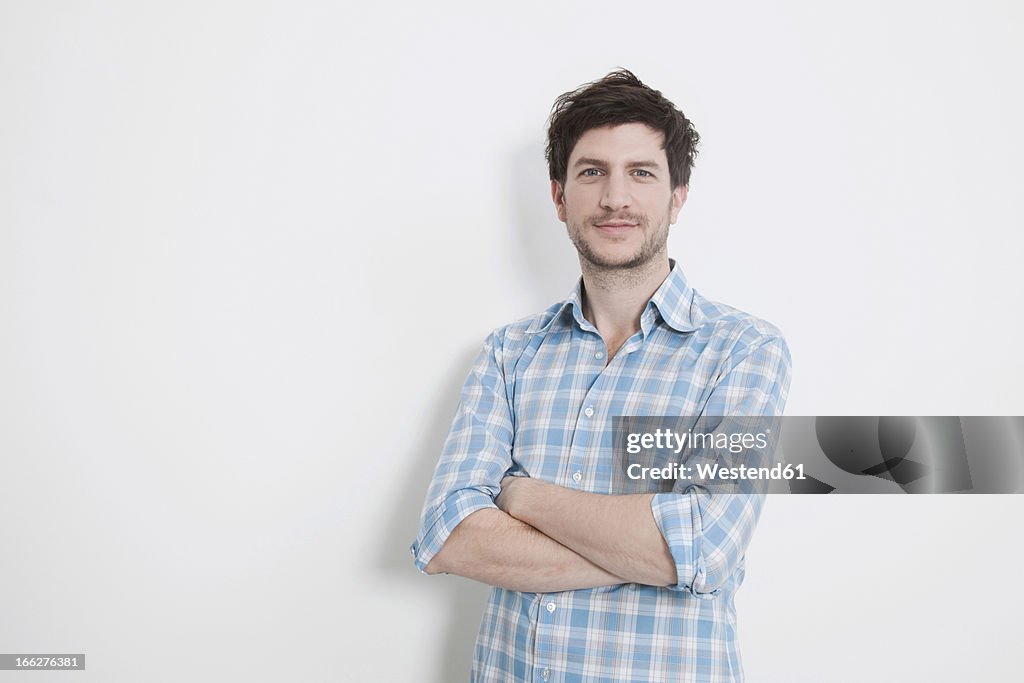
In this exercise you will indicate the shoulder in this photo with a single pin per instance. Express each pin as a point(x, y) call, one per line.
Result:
point(510, 343)
point(736, 333)
point(521, 331)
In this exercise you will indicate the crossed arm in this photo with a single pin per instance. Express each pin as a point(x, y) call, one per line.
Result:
point(530, 535)
point(546, 538)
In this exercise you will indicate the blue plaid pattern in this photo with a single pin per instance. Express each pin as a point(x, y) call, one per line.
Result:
point(539, 399)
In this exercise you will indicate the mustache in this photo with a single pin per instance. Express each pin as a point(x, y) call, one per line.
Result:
point(635, 218)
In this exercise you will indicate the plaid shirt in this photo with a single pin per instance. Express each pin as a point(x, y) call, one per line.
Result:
point(540, 399)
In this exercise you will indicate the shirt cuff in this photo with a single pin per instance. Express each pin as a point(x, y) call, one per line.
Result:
point(452, 510)
point(678, 519)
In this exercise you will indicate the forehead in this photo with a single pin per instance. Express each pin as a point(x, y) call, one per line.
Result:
point(620, 142)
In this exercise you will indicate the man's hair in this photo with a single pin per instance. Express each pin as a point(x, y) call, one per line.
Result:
point(619, 98)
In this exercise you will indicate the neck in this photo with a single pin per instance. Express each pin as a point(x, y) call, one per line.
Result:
point(613, 299)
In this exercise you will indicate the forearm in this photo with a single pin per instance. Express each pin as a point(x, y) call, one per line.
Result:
point(492, 547)
point(617, 533)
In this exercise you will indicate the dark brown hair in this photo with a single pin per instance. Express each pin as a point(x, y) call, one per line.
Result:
point(619, 98)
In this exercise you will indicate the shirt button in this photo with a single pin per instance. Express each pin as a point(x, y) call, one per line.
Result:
point(545, 673)
point(551, 607)
point(599, 355)
point(589, 412)
point(577, 476)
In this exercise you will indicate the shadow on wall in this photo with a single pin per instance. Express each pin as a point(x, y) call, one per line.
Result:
point(465, 599)
point(536, 246)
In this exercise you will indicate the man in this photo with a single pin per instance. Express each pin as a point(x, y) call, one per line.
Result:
point(591, 584)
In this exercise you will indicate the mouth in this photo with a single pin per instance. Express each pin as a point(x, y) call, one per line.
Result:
point(615, 227)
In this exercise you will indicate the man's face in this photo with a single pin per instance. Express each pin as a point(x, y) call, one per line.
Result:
point(618, 201)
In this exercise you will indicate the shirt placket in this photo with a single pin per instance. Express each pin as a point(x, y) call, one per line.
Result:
point(550, 632)
point(591, 413)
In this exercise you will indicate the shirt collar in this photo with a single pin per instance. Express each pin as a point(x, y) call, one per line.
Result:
point(676, 301)
point(673, 302)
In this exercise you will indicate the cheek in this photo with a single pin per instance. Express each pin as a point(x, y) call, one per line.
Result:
point(567, 210)
point(582, 200)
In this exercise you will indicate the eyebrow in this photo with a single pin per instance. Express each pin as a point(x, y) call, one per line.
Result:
point(590, 161)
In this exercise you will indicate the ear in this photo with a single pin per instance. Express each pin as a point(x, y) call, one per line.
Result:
point(558, 197)
point(678, 199)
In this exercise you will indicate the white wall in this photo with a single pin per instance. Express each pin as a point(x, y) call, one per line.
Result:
point(247, 251)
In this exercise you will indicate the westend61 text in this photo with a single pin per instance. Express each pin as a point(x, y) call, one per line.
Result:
point(709, 471)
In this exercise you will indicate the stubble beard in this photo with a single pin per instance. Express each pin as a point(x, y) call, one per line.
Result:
point(655, 244)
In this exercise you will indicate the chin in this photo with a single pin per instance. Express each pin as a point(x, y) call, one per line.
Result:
point(610, 261)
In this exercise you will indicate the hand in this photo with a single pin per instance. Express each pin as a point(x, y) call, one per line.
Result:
point(508, 494)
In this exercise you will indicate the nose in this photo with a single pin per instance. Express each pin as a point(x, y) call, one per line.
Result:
point(616, 193)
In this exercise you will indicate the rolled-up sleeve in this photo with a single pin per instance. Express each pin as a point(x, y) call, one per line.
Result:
point(707, 533)
point(475, 457)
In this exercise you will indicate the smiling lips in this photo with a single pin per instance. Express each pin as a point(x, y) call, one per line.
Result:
point(615, 227)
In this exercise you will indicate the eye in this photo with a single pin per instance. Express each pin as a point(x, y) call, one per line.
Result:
point(645, 174)
point(590, 172)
